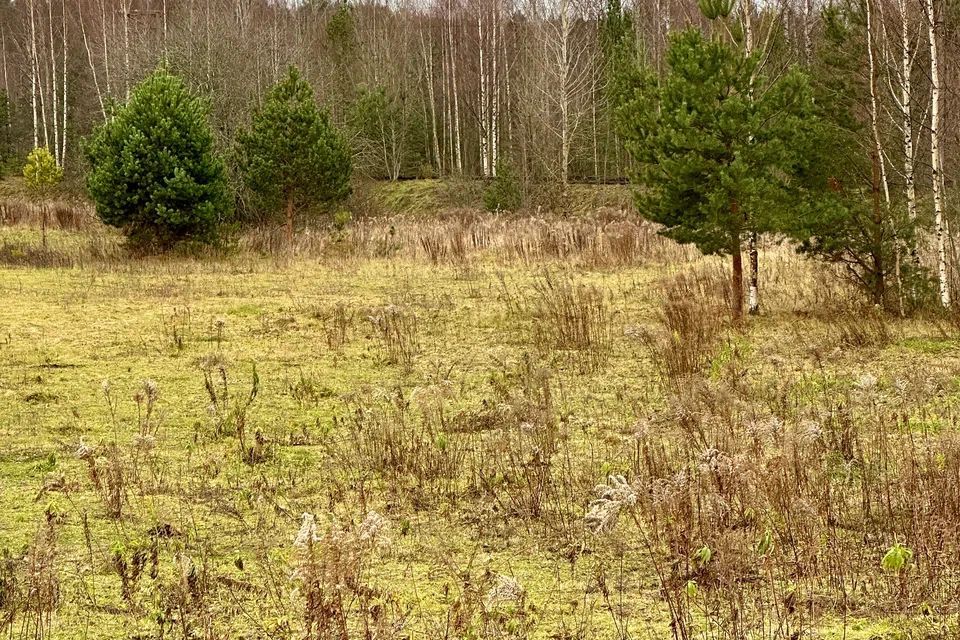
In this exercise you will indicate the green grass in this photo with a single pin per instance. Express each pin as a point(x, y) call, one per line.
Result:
point(65, 331)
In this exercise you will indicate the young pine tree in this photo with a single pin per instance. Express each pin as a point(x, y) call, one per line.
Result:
point(292, 157)
point(41, 174)
point(154, 173)
point(713, 139)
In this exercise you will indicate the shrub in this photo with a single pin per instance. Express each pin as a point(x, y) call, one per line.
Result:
point(503, 192)
point(41, 171)
point(154, 173)
point(292, 157)
point(41, 174)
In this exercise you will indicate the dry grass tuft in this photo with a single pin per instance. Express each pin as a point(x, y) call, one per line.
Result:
point(572, 317)
point(690, 324)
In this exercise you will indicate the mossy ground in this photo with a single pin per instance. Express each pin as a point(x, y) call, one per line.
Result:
point(65, 331)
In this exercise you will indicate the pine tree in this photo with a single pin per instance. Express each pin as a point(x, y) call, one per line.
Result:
point(851, 224)
point(292, 157)
point(41, 174)
point(618, 46)
point(154, 173)
point(714, 138)
point(504, 192)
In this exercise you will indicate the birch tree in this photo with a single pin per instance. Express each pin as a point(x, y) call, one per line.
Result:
point(940, 226)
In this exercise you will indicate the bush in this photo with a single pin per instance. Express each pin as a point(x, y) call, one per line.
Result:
point(154, 173)
point(41, 172)
point(503, 192)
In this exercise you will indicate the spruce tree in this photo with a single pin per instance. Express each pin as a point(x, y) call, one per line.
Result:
point(154, 172)
point(712, 139)
point(292, 157)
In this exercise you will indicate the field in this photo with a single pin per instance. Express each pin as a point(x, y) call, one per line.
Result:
point(398, 431)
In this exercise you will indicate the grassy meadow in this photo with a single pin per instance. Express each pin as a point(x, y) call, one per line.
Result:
point(398, 430)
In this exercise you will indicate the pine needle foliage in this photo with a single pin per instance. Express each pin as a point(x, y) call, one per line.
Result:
point(292, 158)
point(154, 172)
point(720, 149)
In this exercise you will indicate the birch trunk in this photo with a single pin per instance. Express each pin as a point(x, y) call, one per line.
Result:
point(753, 297)
point(106, 58)
point(34, 79)
point(90, 63)
point(126, 49)
point(564, 68)
point(447, 109)
point(879, 171)
point(874, 109)
point(455, 98)
point(428, 67)
point(736, 255)
point(63, 94)
point(483, 97)
point(3, 48)
point(54, 99)
point(496, 31)
point(935, 158)
point(906, 106)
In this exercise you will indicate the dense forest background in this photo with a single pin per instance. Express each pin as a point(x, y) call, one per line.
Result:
point(445, 87)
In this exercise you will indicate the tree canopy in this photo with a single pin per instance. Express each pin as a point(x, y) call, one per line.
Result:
point(720, 149)
point(153, 169)
point(292, 157)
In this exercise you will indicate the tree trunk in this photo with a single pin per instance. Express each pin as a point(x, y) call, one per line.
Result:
point(34, 77)
point(455, 97)
point(54, 87)
point(290, 223)
point(879, 169)
point(93, 68)
point(879, 287)
point(754, 296)
point(428, 64)
point(737, 290)
point(753, 305)
point(737, 254)
point(935, 159)
point(483, 97)
point(906, 70)
point(63, 128)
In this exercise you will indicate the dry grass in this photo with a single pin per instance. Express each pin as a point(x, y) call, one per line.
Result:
point(441, 428)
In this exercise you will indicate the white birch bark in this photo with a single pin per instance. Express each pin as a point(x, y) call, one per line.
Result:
point(935, 157)
point(874, 109)
point(126, 48)
point(904, 103)
point(106, 57)
point(484, 133)
point(428, 68)
point(753, 250)
point(564, 68)
point(34, 73)
point(455, 98)
point(93, 67)
point(496, 31)
point(54, 100)
point(63, 94)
